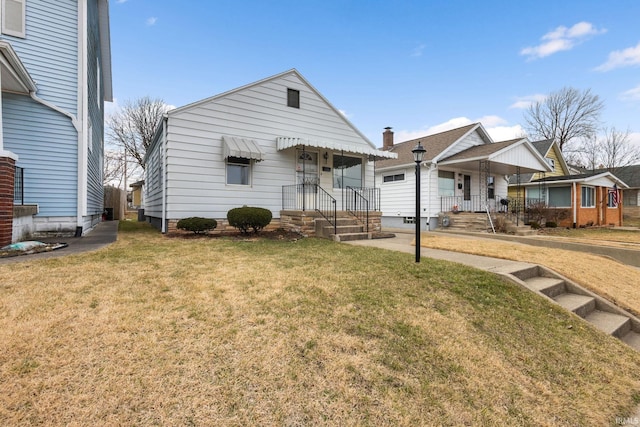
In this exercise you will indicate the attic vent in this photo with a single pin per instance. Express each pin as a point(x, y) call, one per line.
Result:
point(293, 98)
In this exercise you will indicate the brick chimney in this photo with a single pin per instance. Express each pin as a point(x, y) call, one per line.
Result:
point(387, 138)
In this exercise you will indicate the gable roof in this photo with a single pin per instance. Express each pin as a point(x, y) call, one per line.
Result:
point(543, 146)
point(435, 145)
point(583, 178)
point(292, 71)
point(480, 152)
point(630, 175)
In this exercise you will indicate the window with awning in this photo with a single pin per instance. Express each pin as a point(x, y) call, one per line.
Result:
point(242, 148)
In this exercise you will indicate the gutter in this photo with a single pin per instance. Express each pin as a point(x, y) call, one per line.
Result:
point(74, 120)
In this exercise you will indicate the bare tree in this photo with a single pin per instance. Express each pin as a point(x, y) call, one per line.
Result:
point(133, 126)
point(617, 150)
point(611, 150)
point(565, 115)
point(118, 168)
point(113, 168)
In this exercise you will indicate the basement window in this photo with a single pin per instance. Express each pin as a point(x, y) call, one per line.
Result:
point(293, 98)
point(392, 178)
point(409, 220)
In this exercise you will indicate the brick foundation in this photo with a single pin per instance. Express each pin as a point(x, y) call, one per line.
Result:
point(7, 175)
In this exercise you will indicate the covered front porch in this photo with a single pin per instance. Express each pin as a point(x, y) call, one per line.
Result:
point(477, 179)
point(331, 184)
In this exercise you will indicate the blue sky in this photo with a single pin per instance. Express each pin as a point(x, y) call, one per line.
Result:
point(417, 66)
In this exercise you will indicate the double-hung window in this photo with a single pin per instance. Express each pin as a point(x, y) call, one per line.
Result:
point(238, 171)
point(13, 17)
point(588, 199)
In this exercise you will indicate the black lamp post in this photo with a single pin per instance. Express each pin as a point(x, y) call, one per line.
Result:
point(418, 154)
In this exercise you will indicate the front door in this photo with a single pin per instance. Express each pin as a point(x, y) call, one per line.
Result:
point(466, 193)
point(307, 174)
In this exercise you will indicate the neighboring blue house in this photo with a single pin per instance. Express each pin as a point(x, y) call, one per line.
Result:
point(55, 61)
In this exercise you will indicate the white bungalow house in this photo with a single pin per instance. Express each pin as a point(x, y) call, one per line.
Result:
point(463, 170)
point(276, 144)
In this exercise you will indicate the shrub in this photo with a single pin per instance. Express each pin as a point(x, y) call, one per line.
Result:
point(247, 217)
point(197, 224)
point(550, 224)
point(534, 225)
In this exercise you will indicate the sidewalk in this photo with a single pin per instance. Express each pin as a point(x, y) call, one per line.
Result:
point(102, 235)
point(403, 243)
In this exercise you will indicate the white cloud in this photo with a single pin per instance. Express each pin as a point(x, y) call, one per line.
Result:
point(417, 51)
point(524, 102)
point(561, 39)
point(621, 58)
point(631, 94)
point(504, 133)
point(152, 21)
point(494, 125)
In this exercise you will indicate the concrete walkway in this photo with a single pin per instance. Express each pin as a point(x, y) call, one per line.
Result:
point(102, 235)
point(402, 243)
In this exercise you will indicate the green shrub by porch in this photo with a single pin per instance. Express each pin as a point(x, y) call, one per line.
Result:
point(197, 224)
point(248, 217)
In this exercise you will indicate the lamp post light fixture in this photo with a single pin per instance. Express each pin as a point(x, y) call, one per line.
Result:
point(418, 155)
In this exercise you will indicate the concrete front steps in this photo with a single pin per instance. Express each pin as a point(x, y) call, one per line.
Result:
point(347, 229)
point(594, 309)
point(479, 222)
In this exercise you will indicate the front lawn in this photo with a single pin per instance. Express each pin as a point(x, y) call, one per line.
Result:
point(215, 331)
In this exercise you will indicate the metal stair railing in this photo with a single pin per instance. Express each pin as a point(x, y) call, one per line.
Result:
point(358, 206)
point(326, 206)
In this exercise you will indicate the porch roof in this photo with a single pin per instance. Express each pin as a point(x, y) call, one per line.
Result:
point(505, 157)
point(282, 143)
point(15, 77)
point(598, 178)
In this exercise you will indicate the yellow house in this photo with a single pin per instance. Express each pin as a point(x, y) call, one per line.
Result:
point(136, 194)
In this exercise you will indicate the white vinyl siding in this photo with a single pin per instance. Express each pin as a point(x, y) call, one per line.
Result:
point(13, 18)
point(196, 173)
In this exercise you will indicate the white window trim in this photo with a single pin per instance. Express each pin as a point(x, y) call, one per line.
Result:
point(9, 32)
point(226, 173)
point(593, 191)
point(551, 163)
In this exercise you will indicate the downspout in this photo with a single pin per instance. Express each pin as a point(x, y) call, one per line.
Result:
point(429, 171)
point(575, 205)
point(163, 168)
point(83, 113)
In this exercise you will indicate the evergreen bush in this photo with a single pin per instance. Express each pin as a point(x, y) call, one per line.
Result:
point(197, 224)
point(249, 218)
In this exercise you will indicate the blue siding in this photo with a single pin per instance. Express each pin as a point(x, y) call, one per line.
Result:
point(50, 50)
point(46, 144)
point(95, 189)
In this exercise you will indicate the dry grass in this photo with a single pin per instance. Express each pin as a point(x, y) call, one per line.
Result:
point(607, 277)
point(156, 331)
point(599, 235)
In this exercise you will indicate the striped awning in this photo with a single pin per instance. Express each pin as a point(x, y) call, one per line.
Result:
point(241, 147)
point(282, 143)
